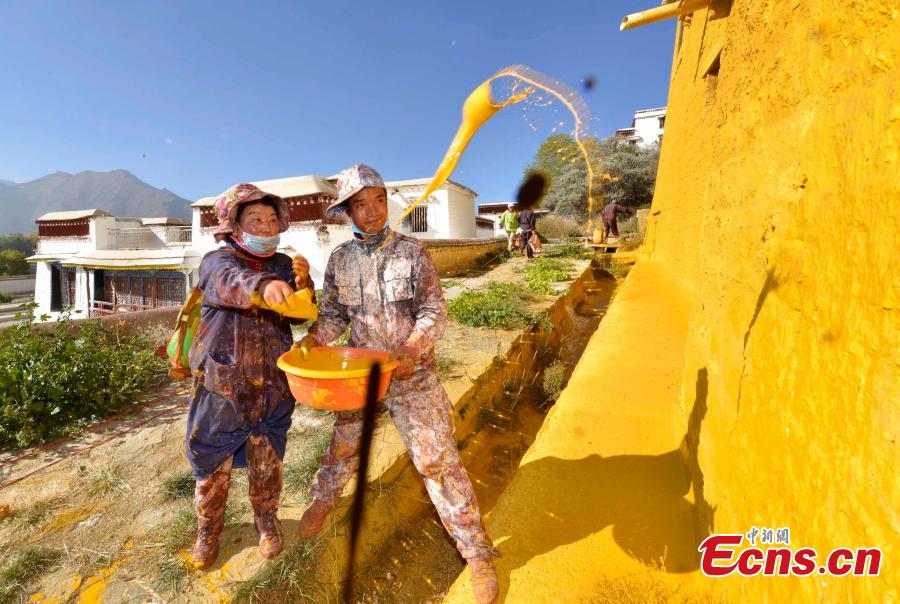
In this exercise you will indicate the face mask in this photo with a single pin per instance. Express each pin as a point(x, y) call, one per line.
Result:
point(359, 231)
point(264, 246)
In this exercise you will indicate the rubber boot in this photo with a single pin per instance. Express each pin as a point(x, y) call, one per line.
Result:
point(271, 542)
point(484, 579)
point(313, 518)
point(206, 548)
point(210, 496)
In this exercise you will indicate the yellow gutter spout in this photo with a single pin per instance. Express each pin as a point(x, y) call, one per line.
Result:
point(661, 13)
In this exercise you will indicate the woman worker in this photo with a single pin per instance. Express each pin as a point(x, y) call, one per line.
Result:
point(240, 405)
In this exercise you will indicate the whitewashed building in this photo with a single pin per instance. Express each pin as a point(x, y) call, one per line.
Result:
point(647, 128)
point(92, 263)
point(448, 213)
point(95, 263)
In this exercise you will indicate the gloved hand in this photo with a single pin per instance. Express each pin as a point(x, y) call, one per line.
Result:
point(275, 291)
point(407, 355)
point(301, 272)
point(305, 345)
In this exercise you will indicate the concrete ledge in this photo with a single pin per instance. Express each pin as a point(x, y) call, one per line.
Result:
point(453, 256)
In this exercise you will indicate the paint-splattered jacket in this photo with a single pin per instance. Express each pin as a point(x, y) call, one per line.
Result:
point(612, 210)
point(238, 390)
point(387, 289)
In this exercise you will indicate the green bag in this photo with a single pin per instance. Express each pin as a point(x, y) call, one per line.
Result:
point(185, 329)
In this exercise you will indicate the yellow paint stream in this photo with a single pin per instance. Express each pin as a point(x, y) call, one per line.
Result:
point(480, 106)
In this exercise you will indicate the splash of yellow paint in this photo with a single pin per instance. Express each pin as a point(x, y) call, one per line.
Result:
point(480, 106)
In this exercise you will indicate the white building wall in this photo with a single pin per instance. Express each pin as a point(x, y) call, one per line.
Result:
point(196, 232)
point(82, 290)
point(304, 239)
point(42, 285)
point(460, 215)
point(100, 236)
point(647, 127)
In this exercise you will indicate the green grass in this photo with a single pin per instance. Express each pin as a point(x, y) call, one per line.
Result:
point(179, 485)
point(37, 514)
point(617, 270)
point(569, 250)
point(448, 283)
point(4, 299)
point(22, 569)
point(446, 365)
point(298, 475)
point(288, 578)
point(106, 481)
point(540, 273)
point(496, 305)
point(493, 258)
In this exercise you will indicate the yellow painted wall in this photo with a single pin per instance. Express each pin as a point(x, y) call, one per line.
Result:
point(777, 208)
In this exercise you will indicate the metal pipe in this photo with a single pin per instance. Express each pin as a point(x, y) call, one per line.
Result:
point(661, 13)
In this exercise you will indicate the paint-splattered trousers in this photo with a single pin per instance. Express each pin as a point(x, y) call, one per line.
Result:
point(426, 426)
point(264, 471)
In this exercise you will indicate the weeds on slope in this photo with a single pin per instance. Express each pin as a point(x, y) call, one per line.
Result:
point(22, 570)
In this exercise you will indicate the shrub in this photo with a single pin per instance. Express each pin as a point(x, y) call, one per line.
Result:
point(555, 226)
point(4, 299)
point(496, 305)
point(554, 380)
point(54, 380)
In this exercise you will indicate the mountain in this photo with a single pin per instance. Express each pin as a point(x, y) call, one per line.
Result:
point(119, 192)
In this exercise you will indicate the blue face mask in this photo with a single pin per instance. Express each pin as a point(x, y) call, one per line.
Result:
point(263, 246)
point(359, 231)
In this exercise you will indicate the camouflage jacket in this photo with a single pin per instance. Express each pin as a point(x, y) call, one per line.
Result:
point(387, 289)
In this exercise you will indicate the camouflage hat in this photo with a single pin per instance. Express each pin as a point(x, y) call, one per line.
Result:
point(227, 204)
point(350, 182)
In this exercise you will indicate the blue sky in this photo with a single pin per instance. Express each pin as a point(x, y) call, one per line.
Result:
point(195, 96)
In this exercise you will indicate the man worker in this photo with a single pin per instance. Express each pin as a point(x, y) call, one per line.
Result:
point(527, 226)
point(384, 285)
point(509, 220)
point(609, 214)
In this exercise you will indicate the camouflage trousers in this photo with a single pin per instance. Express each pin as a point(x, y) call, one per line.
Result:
point(264, 471)
point(426, 426)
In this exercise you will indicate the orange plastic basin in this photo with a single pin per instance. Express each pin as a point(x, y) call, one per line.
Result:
point(335, 378)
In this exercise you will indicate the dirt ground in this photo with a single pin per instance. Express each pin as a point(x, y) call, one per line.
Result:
point(103, 502)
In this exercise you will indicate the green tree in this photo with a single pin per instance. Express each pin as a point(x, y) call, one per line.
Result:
point(24, 242)
point(12, 262)
point(622, 173)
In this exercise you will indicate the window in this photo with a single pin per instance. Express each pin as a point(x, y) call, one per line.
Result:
point(417, 220)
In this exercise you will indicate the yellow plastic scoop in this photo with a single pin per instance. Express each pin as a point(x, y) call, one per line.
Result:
point(299, 305)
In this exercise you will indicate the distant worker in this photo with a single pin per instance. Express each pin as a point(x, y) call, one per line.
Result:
point(527, 225)
point(609, 214)
point(509, 220)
